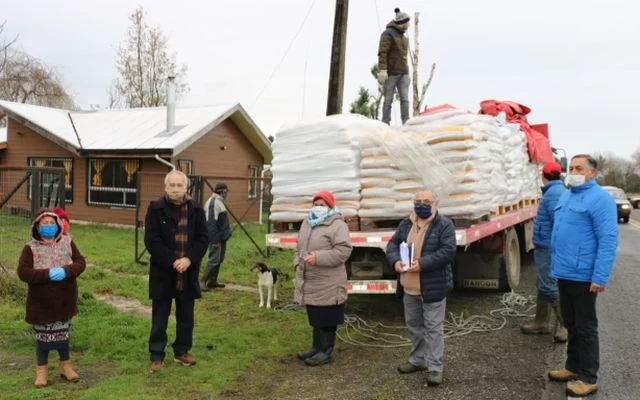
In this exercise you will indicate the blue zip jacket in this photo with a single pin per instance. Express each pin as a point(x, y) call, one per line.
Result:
point(584, 241)
point(543, 224)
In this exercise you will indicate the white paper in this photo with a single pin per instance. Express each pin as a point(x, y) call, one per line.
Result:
point(405, 255)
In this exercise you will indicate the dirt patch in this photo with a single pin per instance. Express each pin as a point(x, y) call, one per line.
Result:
point(125, 304)
point(502, 364)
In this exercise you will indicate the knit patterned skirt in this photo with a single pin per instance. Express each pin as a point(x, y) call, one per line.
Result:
point(52, 336)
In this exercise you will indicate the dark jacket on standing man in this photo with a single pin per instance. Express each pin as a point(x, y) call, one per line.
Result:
point(392, 50)
point(438, 252)
point(159, 238)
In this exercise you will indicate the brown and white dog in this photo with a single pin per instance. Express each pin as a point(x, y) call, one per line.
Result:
point(267, 278)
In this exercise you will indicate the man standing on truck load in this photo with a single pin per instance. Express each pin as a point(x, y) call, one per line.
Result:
point(426, 282)
point(548, 296)
point(393, 65)
point(219, 233)
point(583, 250)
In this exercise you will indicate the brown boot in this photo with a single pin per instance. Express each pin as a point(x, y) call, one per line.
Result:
point(561, 333)
point(540, 323)
point(561, 375)
point(67, 372)
point(42, 375)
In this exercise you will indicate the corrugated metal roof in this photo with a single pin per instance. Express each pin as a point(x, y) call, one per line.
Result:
point(134, 129)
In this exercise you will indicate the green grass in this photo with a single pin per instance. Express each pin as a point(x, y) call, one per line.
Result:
point(110, 347)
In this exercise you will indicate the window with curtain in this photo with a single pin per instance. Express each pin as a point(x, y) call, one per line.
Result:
point(112, 182)
point(49, 181)
point(254, 185)
point(186, 166)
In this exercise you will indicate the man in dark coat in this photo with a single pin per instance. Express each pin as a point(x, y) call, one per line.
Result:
point(176, 238)
point(394, 67)
point(426, 280)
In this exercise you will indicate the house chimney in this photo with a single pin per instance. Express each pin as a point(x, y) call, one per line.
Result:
point(171, 104)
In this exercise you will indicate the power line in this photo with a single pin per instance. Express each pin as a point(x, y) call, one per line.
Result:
point(284, 56)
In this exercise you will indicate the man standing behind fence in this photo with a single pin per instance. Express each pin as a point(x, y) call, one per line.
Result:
point(219, 234)
point(175, 235)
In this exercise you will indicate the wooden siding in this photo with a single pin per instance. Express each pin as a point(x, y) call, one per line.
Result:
point(206, 153)
point(226, 152)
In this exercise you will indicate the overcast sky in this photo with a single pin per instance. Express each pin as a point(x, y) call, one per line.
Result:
point(575, 63)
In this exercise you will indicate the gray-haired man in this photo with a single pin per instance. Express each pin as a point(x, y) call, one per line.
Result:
point(425, 282)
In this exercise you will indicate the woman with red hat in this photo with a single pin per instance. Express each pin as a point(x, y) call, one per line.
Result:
point(50, 263)
point(321, 275)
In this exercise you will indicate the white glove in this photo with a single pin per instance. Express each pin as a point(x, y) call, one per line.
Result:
point(382, 76)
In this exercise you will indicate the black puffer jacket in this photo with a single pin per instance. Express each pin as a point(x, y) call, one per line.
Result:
point(438, 252)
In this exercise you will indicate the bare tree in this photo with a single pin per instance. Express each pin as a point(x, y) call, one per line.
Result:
point(25, 79)
point(5, 47)
point(144, 63)
point(418, 96)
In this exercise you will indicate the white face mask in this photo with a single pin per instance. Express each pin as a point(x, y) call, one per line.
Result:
point(176, 194)
point(319, 211)
point(575, 180)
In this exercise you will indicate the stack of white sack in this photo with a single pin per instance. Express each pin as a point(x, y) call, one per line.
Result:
point(487, 157)
point(393, 168)
point(316, 156)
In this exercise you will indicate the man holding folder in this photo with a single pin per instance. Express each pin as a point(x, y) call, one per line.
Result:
point(430, 242)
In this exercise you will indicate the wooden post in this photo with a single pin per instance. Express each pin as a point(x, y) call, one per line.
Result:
point(338, 50)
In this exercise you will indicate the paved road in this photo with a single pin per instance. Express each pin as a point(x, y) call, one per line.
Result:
point(635, 215)
point(619, 326)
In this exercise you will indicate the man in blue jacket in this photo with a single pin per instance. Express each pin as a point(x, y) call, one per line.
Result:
point(548, 296)
point(583, 250)
point(426, 282)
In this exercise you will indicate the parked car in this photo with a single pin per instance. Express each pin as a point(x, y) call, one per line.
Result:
point(622, 202)
point(635, 201)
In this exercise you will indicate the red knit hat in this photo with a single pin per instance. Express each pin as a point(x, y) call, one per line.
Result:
point(61, 213)
point(327, 197)
point(552, 169)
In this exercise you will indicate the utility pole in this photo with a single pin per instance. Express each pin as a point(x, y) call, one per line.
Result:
point(338, 50)
point(418, 95)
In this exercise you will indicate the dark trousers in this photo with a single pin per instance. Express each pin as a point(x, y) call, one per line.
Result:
point(578, 306)
point(161, 309)
point(215, 259)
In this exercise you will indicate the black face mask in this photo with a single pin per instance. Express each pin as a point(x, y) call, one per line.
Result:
point(422, 210)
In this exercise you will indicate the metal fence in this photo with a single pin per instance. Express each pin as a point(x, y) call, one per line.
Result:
point(249, 201)
point(23, 191)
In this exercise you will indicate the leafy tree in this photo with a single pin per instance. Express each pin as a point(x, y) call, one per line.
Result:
point(144, 63)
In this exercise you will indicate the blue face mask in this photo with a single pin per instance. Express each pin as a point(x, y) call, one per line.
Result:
point(422, 210)
point(48, 231)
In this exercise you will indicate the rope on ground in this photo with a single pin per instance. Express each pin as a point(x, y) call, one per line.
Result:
point(358, 332)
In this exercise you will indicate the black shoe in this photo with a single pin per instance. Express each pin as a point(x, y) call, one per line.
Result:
point(408, 368)
point(319, 358)
point(217, 285)
point(303, 355)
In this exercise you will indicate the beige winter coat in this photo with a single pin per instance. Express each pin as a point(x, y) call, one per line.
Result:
point(323, 284)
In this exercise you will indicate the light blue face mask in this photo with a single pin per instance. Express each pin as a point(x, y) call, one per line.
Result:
point(319, 211)
point(47, 231)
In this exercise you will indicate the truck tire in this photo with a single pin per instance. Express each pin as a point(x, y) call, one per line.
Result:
point(510, 268)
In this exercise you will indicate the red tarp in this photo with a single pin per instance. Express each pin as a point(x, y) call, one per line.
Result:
point(537, 135)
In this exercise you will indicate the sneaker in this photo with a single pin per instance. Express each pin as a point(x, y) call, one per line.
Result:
point(155, 366)
point(434, 378)
point(580, 389)
point(561, 375)
point(186, 359)
point(408, 368)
